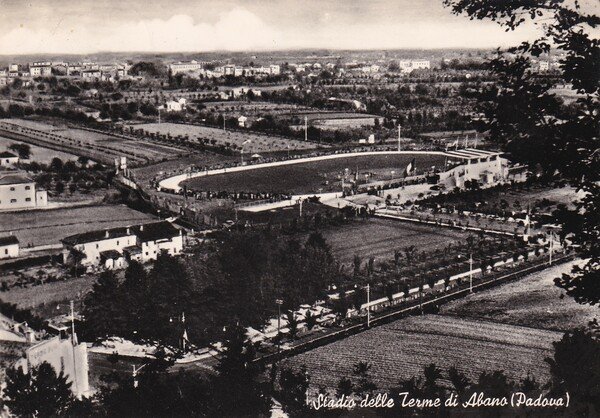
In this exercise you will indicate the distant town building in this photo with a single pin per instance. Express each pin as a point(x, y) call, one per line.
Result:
point(113, 248)
point(176, 106)
point(8, 158)
point(243, 91)
point(18, 191)
point(40, 69)
point(9, 247)
point(407, 66)
point(187, 67)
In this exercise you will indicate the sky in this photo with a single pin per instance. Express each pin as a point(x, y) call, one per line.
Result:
point(89, 26)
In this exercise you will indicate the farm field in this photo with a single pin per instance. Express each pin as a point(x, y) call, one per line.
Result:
point(401, 349)
point(260, 143)
point(50, 299)
point(43, 227)
point(252, 108)
point(201, 159)
point(101, 146)
point(38, 154)
point(310, 177)
point(533, 301)
point(380, 237)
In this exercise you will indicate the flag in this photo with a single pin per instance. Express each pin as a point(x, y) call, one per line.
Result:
point(409, 168)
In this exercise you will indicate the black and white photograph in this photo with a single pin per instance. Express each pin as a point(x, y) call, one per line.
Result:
point(300, 208)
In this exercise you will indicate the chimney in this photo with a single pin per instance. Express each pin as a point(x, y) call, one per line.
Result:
point(106, 234)
point(141, 227)
point(128, 230)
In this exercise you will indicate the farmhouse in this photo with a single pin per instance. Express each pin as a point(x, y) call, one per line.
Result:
point(176, 106)
point(18, 191)
point(9, 247)
point(8, 158)
point(112, 248)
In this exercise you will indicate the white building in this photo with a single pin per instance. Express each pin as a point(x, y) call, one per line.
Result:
point(9, 247)
point(8, 158)
point(176, 106)
point(407, 66)
point(243, 91)
point(21, 347)
point(187, 67)
point(40, 70)
point(18, 191)
point(485, 167)
point(112, 248)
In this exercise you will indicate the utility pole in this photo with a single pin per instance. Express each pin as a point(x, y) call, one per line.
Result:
point(73, 342)
point(551, 244)
point(135, 374)
point(305, 128)
point(399, 135)
point(471, 273)
point(368, 306)
point(279, 302)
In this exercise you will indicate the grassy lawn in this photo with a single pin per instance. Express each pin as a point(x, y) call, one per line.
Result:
point(380, 237)
point(42, 227)
point(311, 177)
point(50, 299)
point(534, 301)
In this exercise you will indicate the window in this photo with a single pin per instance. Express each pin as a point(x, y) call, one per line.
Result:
point(97, 246)
point(6, 251)
point(28, 199)
point(117, 242)
point(146, 253)
point(12, 189)
point(27, 187)
point(13, 200)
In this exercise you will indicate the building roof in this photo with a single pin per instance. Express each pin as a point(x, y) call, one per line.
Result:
point(155, 231)
point(6, 154)
point(110, 255)
point(8, 240)
point(14, 178)
point(97, 235)
point(145, 232)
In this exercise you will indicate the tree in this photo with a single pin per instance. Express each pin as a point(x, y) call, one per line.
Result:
point(311, 320)
point(574, 368)
point(293, 392)
point(103, 308)
point(56, 165)
point(524, 117)
point(292, 324)
point(23, 150)
point(39, 392)
point(236, 389)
